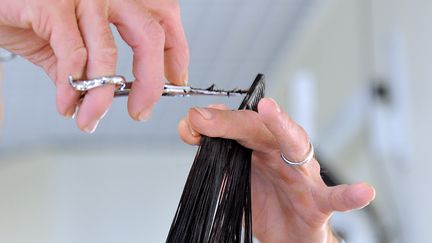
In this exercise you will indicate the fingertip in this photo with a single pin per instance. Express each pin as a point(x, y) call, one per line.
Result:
point(361, 195)
point(269, 112)
point(145, 115)
point(143, 98)
point(189, 127)
point(182, 128)
point(186, 134)
point(140, 116)
point(66, 99)
point(94, 107)
point(144, 95)
point(268, 105)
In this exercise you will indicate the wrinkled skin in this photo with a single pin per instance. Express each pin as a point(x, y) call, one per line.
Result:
point(289, 204)
point(73, 37)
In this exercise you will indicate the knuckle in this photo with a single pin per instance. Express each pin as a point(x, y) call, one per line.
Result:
point(155, 32)
point(332, 200)
point(105, 56)
point(171, 10)
point(79, 56)
point(50, 67)
point(288, 126)
point(337, 198)
point(62, 4)
point(76, 60)
point(334, 196)
point(42, 23)
point(108, 53)
point(42, 15)
point(56, 10)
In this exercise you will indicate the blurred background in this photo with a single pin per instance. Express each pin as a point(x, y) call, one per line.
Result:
point(354, 73)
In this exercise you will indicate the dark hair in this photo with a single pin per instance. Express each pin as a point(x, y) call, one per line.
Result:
point(216, 200)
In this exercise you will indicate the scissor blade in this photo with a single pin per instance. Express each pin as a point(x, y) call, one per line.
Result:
point(182, 91)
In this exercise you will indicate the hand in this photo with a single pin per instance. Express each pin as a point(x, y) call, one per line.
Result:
point(289, 204)
point(73, 37)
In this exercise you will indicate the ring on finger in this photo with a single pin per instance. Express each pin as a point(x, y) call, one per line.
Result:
point(309, 156)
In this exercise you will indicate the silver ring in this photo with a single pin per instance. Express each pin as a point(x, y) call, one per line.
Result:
point(309, 157)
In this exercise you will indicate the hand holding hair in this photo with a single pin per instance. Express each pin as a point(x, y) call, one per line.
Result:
point(289, 203)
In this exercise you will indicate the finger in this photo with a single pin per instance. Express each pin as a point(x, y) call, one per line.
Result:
point(146, 37)
point(243, 126)
point(188, 135)
point(68, 46)
point(176, 47)
point(102, 60)
point(292, 139)
point(347, 197)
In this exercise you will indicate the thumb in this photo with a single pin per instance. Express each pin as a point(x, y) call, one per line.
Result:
point(347, 197)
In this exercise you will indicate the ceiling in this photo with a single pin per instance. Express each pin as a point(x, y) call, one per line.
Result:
point(230, 42)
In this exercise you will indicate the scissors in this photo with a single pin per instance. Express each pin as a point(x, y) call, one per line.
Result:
point(123, 87)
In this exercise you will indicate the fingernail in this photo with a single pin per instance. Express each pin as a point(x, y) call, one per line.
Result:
point(75, 112)
point(185, 78)
point(275, 104)
point(104, 114)
point(205, 113)
point(363, 194)
point(71, 113)
point(91, 128)
point(144, 115)
point(192, 131)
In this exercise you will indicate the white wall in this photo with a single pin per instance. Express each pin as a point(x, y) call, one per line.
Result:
point(90, 194)
point(411, 21)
